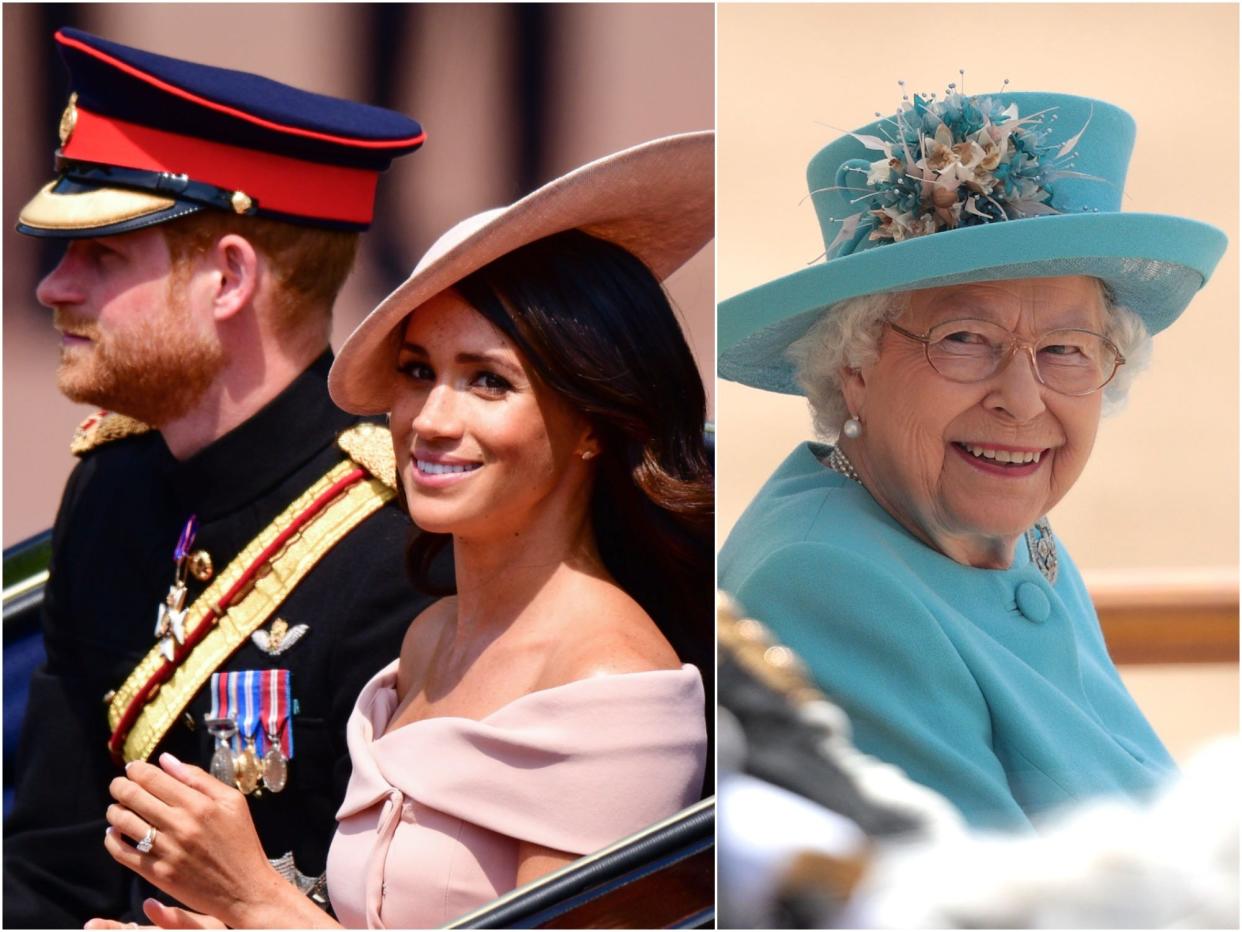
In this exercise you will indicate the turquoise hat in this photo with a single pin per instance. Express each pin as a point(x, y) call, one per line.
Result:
point(965, 189)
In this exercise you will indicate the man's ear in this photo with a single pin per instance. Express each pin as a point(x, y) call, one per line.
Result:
point(234, 265)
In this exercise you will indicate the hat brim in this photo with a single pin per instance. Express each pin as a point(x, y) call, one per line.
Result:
point(64, 209)
point(655, 200)
point(1153, 264)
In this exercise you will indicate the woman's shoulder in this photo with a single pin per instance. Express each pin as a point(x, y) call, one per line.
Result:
point(802, 502)
point(604, 632)
point(421, 638)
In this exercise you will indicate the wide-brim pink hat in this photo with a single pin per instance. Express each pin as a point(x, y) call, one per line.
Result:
point(655, 200)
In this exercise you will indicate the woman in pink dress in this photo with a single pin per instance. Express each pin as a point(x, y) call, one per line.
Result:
point(547, 419)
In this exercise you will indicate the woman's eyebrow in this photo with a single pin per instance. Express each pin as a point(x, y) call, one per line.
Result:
point(962, 301)
point(488, 357)
point(1076, 316)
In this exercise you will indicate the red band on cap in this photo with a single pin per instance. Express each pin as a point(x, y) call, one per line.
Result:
point(278, 183)
point(233, 111)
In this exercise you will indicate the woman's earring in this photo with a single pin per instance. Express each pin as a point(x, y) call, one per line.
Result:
point(852, 428)
point(587, 454)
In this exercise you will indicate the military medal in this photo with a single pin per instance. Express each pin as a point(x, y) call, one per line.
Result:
point(249, 770)
point(275, 765)
point(258, 704)
point(222, 758)
point(275, 708)
point(170, 617)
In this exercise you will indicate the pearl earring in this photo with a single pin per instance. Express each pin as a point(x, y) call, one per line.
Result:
point(852, 428)
point(587, 454)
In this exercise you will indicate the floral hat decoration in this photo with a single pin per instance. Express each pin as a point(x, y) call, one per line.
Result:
point(957, 189)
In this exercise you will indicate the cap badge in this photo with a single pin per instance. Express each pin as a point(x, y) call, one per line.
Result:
point(69, 118)
point(241, 202)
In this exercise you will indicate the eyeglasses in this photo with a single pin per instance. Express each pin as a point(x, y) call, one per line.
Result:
point(1072, 362)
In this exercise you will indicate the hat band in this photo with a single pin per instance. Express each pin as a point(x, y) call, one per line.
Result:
point(277, 184)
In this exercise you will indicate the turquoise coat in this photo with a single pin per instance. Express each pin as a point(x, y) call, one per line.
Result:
point(992, 687)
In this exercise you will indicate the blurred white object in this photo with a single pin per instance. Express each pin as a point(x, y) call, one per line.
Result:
point(1171, 865)
point(762, 829)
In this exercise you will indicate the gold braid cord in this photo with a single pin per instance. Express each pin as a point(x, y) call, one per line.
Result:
point(271, 585)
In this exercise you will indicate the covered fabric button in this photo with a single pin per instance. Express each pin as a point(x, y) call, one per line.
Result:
point(1032, 602)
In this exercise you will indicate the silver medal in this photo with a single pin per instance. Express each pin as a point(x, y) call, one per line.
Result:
point(222, 758)
point(275, 766)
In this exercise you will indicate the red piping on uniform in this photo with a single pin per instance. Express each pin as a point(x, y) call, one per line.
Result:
point(224, 108)
point(117, 741)
point(278, 183)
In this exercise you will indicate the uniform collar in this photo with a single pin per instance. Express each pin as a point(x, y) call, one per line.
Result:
point(257, 455)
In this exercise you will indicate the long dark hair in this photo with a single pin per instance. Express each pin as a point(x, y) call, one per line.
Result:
point(596, 326)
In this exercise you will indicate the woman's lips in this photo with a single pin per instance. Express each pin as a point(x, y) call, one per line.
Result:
point(996, 460)
point(438, 473)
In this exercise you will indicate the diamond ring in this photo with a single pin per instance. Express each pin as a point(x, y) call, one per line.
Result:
point(147, 840)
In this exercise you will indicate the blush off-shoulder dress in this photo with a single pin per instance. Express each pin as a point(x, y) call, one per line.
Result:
point(436, 810)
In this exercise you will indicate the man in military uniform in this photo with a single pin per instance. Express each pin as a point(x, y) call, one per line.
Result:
point(227, 565)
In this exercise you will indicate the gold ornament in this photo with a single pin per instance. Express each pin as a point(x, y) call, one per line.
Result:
point(201, 566)
point(248, 770)
point(69, 118)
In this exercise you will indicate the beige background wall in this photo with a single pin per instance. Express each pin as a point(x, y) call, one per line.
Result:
point(615, 75)
point(1161, 488)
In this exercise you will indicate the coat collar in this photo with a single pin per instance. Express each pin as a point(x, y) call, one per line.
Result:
point(260, 453)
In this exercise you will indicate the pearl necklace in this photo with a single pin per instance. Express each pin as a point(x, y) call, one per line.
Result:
point(838, 462)
point(1040, 543)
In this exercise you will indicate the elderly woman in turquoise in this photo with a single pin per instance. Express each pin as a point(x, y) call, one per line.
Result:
point(983, 302)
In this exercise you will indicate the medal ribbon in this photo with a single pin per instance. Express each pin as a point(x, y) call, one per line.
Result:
point(259, 702)
point(224, 701)
point(186, 541)
point(249, 705)
point(277, 700)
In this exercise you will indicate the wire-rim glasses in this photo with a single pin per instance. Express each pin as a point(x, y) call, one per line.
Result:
point(1069, 361)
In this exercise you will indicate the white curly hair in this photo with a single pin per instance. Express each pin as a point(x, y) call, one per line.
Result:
point(847, 336)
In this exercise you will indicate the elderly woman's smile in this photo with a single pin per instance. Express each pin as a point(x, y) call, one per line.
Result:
point(968, 466)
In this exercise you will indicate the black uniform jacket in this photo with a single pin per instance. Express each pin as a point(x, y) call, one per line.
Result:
point(122, 513)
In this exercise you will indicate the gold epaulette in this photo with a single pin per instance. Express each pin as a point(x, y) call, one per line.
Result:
point(756, 650)
point(370, 446)
point(239, 600)
point(104, 427)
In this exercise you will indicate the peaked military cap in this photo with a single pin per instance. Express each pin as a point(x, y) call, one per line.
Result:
point(146, 138)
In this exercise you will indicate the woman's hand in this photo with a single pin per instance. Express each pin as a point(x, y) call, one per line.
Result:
point(162, 917)
point(204, 852)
